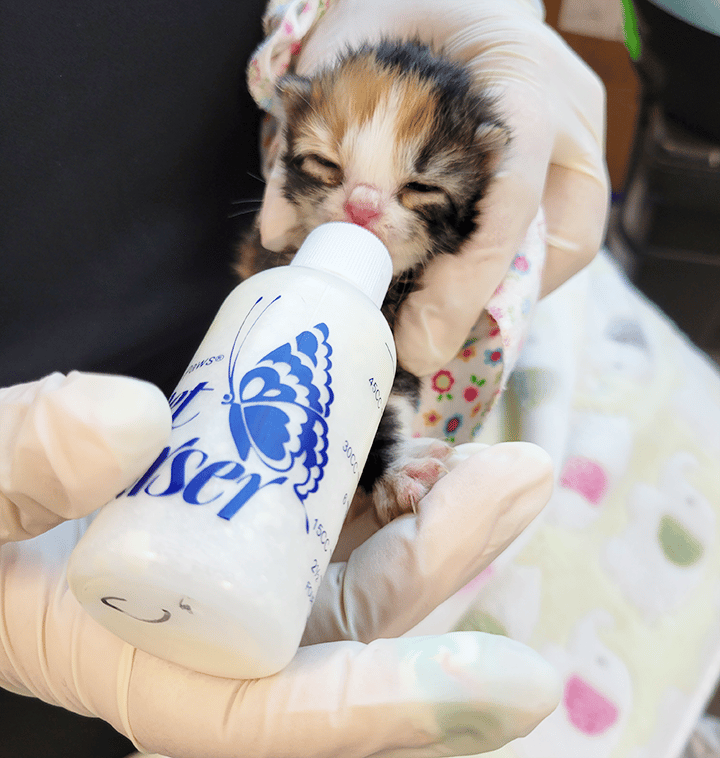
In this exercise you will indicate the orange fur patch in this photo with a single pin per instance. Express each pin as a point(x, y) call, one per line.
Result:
point(353, 94)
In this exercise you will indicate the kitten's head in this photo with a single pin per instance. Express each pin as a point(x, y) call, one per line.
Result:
point(394, 138)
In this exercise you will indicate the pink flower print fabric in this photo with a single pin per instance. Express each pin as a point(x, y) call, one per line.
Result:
point(285, 24)
point(461, 395)
point(456, 400)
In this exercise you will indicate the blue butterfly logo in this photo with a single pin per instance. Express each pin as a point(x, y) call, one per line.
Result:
point(278, 408)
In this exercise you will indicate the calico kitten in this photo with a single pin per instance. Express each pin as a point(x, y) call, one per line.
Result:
point(395, 138)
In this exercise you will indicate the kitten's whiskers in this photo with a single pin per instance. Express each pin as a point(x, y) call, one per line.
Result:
point(255, 176)
point(256, 205)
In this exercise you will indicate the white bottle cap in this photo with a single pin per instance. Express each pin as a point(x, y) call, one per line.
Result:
point(351, 252)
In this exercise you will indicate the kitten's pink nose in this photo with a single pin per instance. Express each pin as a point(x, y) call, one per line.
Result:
point(361, 215)
point(363, 206)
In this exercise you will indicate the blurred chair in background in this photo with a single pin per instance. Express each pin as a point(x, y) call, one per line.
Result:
point(669, 219)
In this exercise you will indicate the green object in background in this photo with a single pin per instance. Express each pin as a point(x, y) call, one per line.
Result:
point(632, 38)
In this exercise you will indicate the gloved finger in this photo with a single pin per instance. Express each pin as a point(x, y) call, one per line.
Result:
point(555, 106)
point(402, 572)
point(436, 319)
point(447, 695)
point(576, 199)
point(354, 22)
point(455, 694)
point(68, 445)
point(362, 521)
point(576, 209)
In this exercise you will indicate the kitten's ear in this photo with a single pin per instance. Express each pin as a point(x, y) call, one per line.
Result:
point(492, 138)
point(492, 135)
point(294, 92)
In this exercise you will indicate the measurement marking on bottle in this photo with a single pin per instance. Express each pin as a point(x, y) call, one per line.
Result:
point(352, 458)
point(322, 535)
point(376, 392)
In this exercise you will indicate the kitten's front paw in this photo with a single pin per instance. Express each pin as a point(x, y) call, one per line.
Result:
point(410, 478)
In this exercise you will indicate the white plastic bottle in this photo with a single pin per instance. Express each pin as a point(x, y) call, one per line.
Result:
point(213, 558)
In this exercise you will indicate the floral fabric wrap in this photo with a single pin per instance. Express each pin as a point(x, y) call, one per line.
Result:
point(285, 25)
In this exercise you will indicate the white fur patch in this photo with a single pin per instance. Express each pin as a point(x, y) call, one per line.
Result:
point(373, 157)
point(368, 149)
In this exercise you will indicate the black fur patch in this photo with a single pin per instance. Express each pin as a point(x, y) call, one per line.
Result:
point(384, 450)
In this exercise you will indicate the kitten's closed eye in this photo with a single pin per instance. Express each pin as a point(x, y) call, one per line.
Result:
point(318, 167)
point(422, 188)
point(422, 198)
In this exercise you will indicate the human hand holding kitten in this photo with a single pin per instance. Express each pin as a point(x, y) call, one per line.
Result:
point(398, 139)
point(554, 107)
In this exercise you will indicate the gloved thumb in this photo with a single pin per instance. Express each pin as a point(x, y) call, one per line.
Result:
point(69, 444)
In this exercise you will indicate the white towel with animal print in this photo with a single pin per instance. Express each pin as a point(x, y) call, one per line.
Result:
point(617, 583)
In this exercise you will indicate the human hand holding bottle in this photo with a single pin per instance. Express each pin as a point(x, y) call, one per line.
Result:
point(64, 450)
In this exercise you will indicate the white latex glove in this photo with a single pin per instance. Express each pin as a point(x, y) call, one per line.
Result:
point(555, 108)
point(68, 445)
point(447, 695)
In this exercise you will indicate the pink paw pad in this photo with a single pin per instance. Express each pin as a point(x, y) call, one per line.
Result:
point(404, 487)
point(425, 472)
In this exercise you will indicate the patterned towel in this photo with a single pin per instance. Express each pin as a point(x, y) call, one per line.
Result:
point(617, 583)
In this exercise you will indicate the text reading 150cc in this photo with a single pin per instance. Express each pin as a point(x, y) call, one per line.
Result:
point(322, 535)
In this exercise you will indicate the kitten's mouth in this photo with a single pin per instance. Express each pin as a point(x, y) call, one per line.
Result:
point(374, 227)
point(371, 227)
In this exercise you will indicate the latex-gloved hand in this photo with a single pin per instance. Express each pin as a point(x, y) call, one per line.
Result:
point(66, 445)
point(555, 108)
